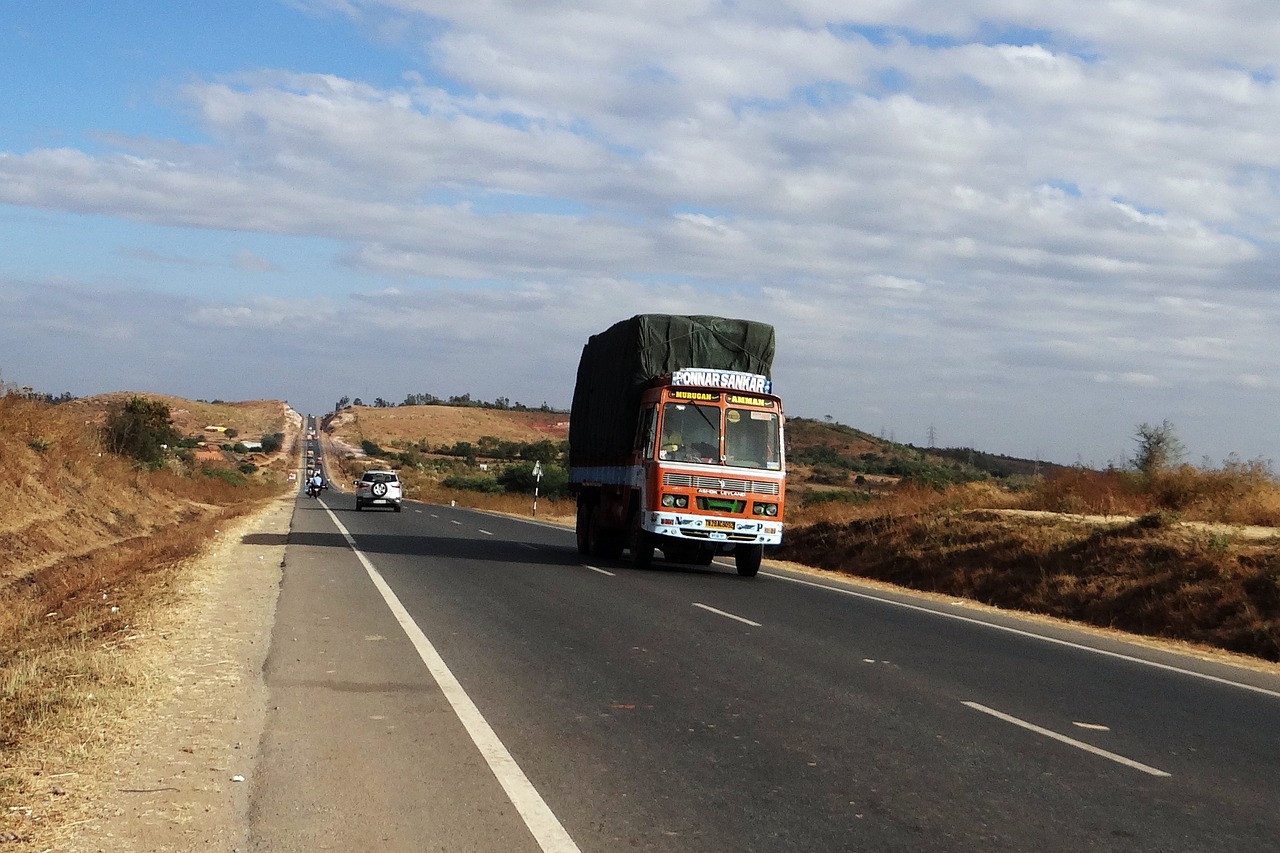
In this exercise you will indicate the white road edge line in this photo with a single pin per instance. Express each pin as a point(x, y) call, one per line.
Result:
point(710, 609)
point(538, 817)
point(601, 571)
point(1030, 634)
point(1119, 759)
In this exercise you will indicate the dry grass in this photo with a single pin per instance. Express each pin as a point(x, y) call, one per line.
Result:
point(1123, 558)
point(88, 548)
point(444, 425)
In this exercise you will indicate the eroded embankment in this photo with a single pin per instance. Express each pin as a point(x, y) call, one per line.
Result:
point(1150, 576)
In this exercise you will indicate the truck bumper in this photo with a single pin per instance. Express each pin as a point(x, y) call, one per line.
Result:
point(698, 528)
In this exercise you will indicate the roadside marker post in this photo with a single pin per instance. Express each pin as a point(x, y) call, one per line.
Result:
point(537, 481)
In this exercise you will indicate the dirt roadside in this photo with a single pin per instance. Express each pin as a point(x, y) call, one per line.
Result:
point(177, 778)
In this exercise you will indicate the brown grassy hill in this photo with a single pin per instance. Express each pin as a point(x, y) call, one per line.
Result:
point(251, 419)
point(88, 541)
point(444, 425)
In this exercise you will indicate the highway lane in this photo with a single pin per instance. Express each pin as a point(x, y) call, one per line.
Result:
point(648, 721)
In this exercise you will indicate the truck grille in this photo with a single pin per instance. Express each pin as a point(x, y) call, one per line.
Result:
point(693, 481)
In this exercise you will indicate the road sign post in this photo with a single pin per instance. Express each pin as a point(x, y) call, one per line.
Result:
point(537, 481)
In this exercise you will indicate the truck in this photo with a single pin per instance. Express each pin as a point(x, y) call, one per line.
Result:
point(676, 441)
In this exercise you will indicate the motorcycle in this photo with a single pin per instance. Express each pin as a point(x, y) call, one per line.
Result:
point(313, 491)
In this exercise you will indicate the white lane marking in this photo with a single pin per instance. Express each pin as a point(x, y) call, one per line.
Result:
point(485, 532)
point(1021, 633)
point(538, 817)
point(601, 571)
point(455, 521)
point(727, 615)
point(1093, 727)
point(1119, 759)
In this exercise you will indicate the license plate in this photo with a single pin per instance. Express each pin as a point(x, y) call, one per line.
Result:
point(720, 525)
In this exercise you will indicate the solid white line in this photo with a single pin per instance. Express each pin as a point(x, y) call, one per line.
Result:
point(728, 615)
point(1029, 634)
point(1119, 759)
point(538, 817)
point(601, 571)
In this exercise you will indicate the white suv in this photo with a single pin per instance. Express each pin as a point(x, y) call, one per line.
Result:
point(378, 488)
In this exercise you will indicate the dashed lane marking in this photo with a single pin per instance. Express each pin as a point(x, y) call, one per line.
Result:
point(710, 609)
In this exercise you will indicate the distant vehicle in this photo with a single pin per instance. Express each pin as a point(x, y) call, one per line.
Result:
point(378, 488)
point(675, 441)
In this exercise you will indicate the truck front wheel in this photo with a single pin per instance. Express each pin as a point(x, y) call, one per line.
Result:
point(747, 558)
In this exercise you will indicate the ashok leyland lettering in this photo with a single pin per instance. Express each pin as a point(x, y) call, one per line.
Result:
point(701, 470)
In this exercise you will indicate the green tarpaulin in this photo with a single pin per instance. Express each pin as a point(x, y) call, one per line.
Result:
point(620, 362)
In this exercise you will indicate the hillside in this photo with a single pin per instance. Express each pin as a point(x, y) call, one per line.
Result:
point(250, 419)
point(443, 425)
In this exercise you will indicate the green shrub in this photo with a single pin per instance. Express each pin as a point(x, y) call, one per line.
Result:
point(520, 479)
point(235, 478)
point(140, 429)
point(470, 483)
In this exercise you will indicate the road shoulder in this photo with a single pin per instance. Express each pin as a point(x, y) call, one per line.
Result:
point(176, 778)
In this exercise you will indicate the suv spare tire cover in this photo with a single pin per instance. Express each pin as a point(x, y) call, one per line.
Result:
point(379, 489)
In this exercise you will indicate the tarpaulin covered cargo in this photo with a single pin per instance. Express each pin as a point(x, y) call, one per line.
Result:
point(620, 362)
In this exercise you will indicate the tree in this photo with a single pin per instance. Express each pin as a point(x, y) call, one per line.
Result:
point(342, 403)
point(1158, 448)
point(141, 429)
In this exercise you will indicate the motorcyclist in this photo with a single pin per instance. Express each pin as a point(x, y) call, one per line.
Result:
point(315, 485)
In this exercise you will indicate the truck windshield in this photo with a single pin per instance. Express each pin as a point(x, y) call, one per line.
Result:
point(690, 433)
point(751, 439)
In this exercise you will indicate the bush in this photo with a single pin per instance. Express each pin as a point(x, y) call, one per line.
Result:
point(140, 429)
point(467, 483)
point(272, 443)
point(234, 478)
point(519, 478)
point(370, 448)
point(247, 467)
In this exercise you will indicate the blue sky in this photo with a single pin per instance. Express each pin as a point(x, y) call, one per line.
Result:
point(1030, 227)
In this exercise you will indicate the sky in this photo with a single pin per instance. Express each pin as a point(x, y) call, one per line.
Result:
point(1023, 226)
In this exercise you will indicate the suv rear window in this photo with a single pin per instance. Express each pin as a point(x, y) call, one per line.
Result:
point(379, 477)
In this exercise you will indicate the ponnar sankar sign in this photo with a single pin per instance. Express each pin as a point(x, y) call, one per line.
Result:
point(734, 380)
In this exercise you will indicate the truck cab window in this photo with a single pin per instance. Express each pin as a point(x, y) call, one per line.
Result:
point(690, 433)
point(751, 439)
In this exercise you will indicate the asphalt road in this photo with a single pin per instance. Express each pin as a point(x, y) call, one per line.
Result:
point(498, 694)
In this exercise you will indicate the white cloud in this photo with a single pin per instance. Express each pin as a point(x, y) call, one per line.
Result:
point(991, 201)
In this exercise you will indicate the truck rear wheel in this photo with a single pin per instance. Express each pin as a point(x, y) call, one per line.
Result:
point(582, 526)
point(641, 543)
point(606, 543)
point(747, 558)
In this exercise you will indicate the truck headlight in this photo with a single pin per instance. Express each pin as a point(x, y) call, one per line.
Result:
point(764, 509)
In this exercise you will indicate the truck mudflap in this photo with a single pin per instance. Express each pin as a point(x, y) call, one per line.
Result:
point(716, 529)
